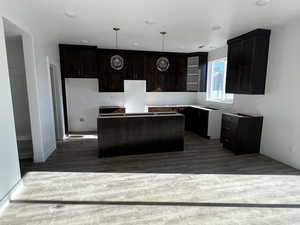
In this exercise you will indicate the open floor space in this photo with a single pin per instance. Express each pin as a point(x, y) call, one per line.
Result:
point(149, 112)
point(205, 185)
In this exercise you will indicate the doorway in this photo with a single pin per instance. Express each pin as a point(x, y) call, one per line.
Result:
point(54, 82)
point(18, 84)
point(24, 92)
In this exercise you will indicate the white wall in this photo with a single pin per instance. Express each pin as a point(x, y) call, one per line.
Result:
point(17, 77)
point(135, 96)
point(280, 105)
point(84, 99)
point(171, 98)
point(42, 44)
point(218, 53)
point(9, 162)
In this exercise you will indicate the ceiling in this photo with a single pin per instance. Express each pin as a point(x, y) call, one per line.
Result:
point(188, 23)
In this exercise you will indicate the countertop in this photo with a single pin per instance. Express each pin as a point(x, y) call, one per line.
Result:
point(194, 106)
point(126, 115)
point(112, 106)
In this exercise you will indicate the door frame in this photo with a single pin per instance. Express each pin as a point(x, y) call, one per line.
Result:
point(32, 90)
point(58, 109)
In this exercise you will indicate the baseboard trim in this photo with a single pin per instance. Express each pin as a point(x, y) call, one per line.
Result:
point(49, 152)
point(24, 138)
point(4, 202)
point(27, 155)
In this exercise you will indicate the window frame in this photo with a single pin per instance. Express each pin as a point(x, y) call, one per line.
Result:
point(227, 98)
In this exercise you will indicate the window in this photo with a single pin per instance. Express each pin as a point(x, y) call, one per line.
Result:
point(216, 82)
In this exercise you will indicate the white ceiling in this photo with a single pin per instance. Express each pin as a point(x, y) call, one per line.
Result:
point(188, 22)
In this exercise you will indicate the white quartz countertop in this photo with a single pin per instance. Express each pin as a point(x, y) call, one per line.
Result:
point(194, 106)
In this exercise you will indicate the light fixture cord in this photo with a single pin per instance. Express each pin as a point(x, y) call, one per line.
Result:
point(163, 43)
point(117, 39)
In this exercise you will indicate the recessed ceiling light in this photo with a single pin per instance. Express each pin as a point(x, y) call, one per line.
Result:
point(136, 44)
point(262, 2)
point(70, 14)
point(150, 22)
point(84, 41)
point(217, 27)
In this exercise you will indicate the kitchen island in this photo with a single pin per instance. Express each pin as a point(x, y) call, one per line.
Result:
point(139, 133)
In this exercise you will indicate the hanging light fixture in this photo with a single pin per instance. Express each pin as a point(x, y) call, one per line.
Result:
point(162, 63)
point(116, 61)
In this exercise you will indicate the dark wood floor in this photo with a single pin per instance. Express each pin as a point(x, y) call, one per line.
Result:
point(205, 185)
point(201, 156)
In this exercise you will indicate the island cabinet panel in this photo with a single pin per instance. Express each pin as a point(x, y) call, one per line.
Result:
point(126, 134)
point(78, 61)
point(247, 63)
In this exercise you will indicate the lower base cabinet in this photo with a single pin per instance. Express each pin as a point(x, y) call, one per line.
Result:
point(201, 120)
point(241, 133)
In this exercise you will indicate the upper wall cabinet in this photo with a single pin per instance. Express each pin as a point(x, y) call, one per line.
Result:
point(111, 80)
point(247, 63)
point(78, 61)
point(141, 65)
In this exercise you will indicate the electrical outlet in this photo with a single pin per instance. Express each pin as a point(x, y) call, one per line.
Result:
point(292, 148)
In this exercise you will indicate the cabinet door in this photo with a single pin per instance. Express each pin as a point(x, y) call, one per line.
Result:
point(187, 112)
point(234, 67)
point(154, 78)
point(88, 63)
point(70, 59)
point(135, 67)
point(202, 122)
point(247, 66)
point(180, 73)
point(110, 80)
point(199, 121)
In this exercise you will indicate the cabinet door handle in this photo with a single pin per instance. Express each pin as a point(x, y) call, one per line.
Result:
point(226, 140)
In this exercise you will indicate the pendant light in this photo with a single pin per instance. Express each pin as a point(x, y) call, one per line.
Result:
point(162, 63)
point(116, 61)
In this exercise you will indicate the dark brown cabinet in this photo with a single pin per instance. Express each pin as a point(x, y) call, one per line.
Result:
point(196, 120)
point(111, 109)
point(135, 67)
point(241, 133)
point(88, 63)
point(247, 63)
point(140, 133)
point(200, 122)
point(78, 61)
point(111, 80)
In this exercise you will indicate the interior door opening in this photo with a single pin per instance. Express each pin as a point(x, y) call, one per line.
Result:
point(18, 84)
point(54, 85)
